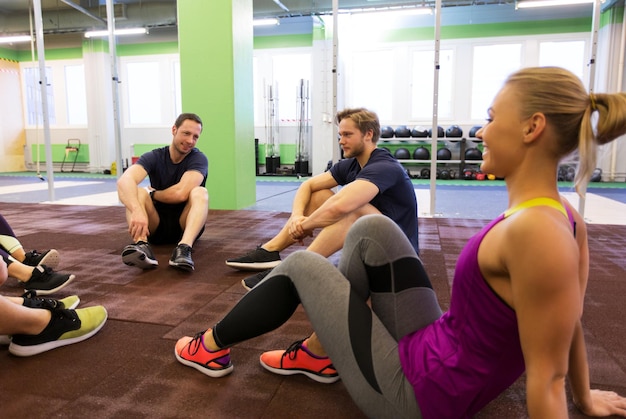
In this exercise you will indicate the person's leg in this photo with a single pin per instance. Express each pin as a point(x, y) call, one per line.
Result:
point(139, 253)
point(194, 216)
point(15, 318)
point(8, 239)
point(283, 240)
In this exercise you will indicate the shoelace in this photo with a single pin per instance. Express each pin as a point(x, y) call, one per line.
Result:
point(185, 251)
point(196, 342)
point(293, 349)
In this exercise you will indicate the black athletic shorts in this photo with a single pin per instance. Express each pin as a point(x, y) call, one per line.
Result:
point(169, 230)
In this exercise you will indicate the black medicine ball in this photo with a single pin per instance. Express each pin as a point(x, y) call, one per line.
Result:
point(419, 132)
point(454, 131)
point(474, 130)
point(402, 132)
point(386, 132)
point(440, 132)
point(421, 153)
point(473, 154)
point(402, 154)
point(444, 154)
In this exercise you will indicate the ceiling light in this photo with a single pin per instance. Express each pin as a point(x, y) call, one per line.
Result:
point(399, 11)
point(265, 22)
point(129, 31)
point(526, 4)
point(14, 39)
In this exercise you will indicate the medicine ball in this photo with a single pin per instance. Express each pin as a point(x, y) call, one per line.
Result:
point(473, 154)
point(425, 173)
point(444, 154)
point(386, 132)
point(480, 176)
point(474, 130)
point(440, 132)
point(571, 173)
point(596, 176)
point(421, 153)
point(452, 174)
point(402, 132)
point(419, 132)
point(469, 174)
point(454, 131)
point(402, 154)
point(444, 174)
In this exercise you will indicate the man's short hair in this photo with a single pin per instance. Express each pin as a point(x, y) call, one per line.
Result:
point(364, 119)
point(185, 116)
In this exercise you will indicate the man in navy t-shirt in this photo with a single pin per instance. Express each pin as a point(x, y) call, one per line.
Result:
point(373, 182)
point(174, 208)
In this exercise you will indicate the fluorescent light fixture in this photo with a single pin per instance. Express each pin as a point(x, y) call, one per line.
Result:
point(388, 11)
point(129, 31)
point(527, 4)
point(265, 22)
point(14, 39)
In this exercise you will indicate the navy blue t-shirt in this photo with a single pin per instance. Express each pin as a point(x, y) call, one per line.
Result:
point(396, 197)
point(164, 173)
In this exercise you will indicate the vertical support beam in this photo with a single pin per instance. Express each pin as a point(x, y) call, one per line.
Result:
point(215, 41)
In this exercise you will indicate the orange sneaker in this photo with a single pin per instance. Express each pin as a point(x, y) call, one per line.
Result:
point(191, 351)
point(298, 360)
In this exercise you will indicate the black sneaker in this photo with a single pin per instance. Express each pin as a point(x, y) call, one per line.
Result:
point(50, 258)
point(258, 259)
point(181, 258)
point(139, 255)
point(45, 281)
point(252, 281)
point(65, 327)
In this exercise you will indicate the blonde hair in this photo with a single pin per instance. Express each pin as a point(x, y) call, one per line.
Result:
point(562, 98)
point(364, 120)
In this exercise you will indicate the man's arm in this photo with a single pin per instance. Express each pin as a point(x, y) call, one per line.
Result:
point(303, 194)
point(350, 198)
point(128, 193)
point(179, 192)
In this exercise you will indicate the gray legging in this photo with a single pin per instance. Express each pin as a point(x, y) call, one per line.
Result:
point(362, 342)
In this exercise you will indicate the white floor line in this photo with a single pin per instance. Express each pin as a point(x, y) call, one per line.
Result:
point(599, 210)
point(106, 199)
point(44, 186)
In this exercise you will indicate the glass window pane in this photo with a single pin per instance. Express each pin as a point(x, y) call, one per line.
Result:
point(178, 102)
point(76, 94)
point(372, 78)
point(33, 96)
point(287, 71)
point(569, 55)
point(422, 84)
point(144, 99)
point(492, 65)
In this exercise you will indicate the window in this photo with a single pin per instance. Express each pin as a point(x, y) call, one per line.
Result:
point(569, 55)
point(76, 94)
point(33, 96)
point(287, 71)
point(372, 75)
point(178, 102)
point(492, 65)
point(422, 85)
point(144, 98)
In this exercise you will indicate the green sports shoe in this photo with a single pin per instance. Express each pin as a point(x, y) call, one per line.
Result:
point(65, 328)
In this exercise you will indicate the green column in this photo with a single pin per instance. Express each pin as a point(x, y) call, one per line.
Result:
point(215, 40)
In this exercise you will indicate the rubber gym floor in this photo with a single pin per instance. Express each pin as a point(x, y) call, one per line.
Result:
point(129, 370)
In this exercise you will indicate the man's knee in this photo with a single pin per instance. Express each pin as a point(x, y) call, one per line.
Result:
point(199, 195)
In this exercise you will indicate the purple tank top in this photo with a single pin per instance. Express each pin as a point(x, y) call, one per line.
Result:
point(461, 362)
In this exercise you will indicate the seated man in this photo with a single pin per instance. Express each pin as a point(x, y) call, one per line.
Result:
point(174, 208)
point(32, 325)
point(33, 269)
point(375, 183)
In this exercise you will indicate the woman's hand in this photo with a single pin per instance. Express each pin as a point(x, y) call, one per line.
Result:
point(605, 403)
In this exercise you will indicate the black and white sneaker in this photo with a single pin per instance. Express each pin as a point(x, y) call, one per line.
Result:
point(252, 281)
point(139, 255)
point(44, 281)
point(181, 258)
point(258, 259)
point(50, 258)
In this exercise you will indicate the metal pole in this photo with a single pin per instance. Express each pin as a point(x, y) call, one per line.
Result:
point(43, 83)
point(114, 85)
point(336, 153)
point(435, 126)
point(592, 80)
